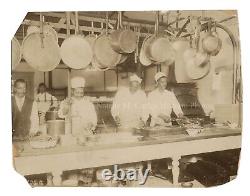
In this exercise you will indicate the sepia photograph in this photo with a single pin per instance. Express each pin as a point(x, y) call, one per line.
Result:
point(127, 98)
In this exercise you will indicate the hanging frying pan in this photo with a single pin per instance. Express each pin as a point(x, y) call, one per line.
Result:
point(195, 70)
point(41, 51)
point(103, 52)
point(98, 66)
point(212, 44)
point(76, 52)
point(157, 47)
point(16, 53)
point(142, 56)
point(123, 40)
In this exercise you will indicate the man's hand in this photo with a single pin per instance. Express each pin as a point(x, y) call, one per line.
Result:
point(165, 118)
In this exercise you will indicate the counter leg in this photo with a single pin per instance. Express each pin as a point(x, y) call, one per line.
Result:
point(176, 170)
point(57, 178)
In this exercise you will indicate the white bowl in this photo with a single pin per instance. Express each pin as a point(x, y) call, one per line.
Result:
point(193, 132)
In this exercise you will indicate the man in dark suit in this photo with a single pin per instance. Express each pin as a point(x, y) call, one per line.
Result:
point(25, 119)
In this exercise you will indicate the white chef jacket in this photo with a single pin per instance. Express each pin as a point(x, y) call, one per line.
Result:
point(130, 107)
point(44, 101)
point(163, 103)
point(34, 120)
point(82, 113)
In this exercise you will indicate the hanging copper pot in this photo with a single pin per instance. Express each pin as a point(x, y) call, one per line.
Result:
point(211, 44)
point(123, 40)
point(157, 47)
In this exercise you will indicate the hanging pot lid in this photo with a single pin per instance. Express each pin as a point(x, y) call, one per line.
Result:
point(76, 51)
point(41, 52)
point(16, 53)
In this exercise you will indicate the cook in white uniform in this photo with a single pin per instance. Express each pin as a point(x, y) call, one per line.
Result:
point(162, 102)
point(44, 101)
point(129, 105)
point(82, 111)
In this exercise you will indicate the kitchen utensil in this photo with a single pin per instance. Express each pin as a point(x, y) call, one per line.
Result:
point(103, 53)
point(55, 127)
point(76, 51)
point(197, 68)
point(158, 47)
point(122, 40)
point(193, 131)
point(51, 115)
point(40, 50)
point(142, 56)
point(47, 29)
point(211, 44)
point(16, 53)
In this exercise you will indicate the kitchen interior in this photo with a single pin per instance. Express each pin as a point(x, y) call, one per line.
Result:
point(210, 95)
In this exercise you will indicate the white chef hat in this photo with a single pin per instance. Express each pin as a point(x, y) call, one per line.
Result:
point(77, 82)
point(159, 75)
point(135, 78)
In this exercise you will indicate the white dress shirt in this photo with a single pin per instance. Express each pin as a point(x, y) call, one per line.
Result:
point(44, 101)
point(34, 120)
point(130, 107)
point(82, 113)
point(163, 103)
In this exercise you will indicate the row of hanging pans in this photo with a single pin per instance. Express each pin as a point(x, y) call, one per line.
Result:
point(41, 51)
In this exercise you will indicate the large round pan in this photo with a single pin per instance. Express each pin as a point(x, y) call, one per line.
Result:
point(212, 44)
point(16, 53)
point(158, 49)
point(76, 52)
point(123, 41)
point(196, 63)
point(104, 53)
point(197, 71)
point(142, 56)
point(41, 52)
point(98, 66)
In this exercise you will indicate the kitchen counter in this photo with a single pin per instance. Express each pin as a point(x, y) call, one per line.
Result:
point(97, 154)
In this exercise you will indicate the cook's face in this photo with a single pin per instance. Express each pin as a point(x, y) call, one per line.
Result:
point(162, 83)
point(134, 86)
point(20, 89)
point(42, 89)
point(78, 93)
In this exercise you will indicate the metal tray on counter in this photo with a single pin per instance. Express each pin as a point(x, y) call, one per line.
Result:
point(160, 131)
